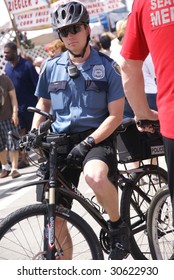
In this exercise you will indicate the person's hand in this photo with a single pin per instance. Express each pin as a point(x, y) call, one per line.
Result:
point(148, 126)
point(78, 153)
point(15, 119)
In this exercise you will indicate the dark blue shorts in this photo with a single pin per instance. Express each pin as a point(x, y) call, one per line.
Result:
point(104, 151)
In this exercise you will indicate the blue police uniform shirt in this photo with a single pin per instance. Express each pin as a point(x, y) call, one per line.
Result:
point(24, 78)
point(80, 103)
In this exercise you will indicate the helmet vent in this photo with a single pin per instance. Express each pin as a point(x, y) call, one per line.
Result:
point(79, 9)
point(71, 10)
point(63, 14)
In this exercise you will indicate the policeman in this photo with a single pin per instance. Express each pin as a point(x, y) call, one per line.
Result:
point(84, 90)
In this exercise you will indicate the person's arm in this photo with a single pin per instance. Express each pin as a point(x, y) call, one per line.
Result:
point(133, 84)
point(110, 124)
point(44, 105)
point(14, 104)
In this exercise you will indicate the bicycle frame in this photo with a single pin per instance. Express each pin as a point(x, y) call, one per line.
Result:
point(67, 190)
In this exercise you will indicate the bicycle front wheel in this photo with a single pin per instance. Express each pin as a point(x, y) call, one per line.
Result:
point(22, 235)
point(159, 226)
point(135, 202)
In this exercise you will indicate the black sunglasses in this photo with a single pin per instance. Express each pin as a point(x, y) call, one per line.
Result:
point(73, 29)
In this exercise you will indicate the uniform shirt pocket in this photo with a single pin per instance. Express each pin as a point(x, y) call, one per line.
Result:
point(96, 85)
point(57, 93)
point(95, 94)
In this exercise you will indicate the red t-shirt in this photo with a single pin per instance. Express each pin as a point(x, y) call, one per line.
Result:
point(150, 27)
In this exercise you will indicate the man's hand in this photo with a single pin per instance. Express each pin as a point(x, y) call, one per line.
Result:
point(148, 125)
point(78, 153)
point(15, 119)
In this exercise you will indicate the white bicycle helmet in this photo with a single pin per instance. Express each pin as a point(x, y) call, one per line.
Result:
point(69, 14)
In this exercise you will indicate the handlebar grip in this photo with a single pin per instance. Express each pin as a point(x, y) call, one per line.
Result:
point(143, 123)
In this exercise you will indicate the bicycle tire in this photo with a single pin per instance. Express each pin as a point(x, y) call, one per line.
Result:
point(21, 234)
point(135, 202)
point(159, 226)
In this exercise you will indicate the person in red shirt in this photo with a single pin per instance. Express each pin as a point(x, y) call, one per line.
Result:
point(150, 28)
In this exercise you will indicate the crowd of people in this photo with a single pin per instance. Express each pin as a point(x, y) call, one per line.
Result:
point(84, 83)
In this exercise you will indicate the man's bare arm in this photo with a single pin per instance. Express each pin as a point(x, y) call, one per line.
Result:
point(14, 104)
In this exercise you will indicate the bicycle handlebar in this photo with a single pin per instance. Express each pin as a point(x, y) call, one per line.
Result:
point(144, 123)
point(45, 114)
point(140, 123)
point(35, 138)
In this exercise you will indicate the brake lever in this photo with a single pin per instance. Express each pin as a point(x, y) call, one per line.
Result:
point(44, 126)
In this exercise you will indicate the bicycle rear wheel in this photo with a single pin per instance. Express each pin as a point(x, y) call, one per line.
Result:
point(22, 235)
point(159, 226)
point(135, 202)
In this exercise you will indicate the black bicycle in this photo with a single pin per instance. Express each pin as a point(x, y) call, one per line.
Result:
point(160, 226)
point(136, 146)
point(29, 232)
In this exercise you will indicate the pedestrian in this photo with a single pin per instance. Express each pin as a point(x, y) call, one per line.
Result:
point(116, 43)
point(37, 63)
point(8, 122)
point(150, 28)
point(24, 77)
point(55, 48)
point(84, 89)
point(105, 42)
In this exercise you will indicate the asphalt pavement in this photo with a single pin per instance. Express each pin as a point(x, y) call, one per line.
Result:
point(10, 197)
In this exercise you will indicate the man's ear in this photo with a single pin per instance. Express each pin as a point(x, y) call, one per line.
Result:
point(88, 28)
